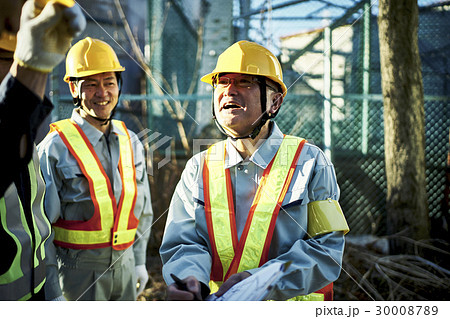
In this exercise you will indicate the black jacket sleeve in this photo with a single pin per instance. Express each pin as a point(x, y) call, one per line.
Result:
point(21, 113)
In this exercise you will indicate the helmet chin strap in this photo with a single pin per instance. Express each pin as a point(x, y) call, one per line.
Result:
point(263, 119)
point(103, 121)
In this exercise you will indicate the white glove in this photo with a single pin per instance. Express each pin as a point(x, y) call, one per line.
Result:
point(44, 36)
point(142, 278)
point(60, 298)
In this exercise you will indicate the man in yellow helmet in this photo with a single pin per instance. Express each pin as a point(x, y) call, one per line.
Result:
point(98, 195)
point(257, 198)
point(27, 56)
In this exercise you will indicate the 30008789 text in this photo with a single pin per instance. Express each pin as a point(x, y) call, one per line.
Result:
point(385, 310)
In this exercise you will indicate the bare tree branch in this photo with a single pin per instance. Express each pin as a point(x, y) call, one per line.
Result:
point(175, 114)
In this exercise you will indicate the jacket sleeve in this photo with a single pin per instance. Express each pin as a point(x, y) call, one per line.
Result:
point(21, 113)
point(316, 262)
point(52, 206)
point(145, 213)
point(184, 249)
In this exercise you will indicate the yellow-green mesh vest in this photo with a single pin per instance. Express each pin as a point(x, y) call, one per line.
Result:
point(26, 272)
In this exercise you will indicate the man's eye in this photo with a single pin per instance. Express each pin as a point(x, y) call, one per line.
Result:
point(245, 81)
point(222, 82)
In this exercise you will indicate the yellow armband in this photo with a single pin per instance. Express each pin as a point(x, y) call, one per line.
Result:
point(325, 216)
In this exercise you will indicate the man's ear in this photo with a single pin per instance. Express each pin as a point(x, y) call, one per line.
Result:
point(276, 99)
point(73, 89)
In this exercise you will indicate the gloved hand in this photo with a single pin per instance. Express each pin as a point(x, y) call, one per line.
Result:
point(60, 298)
point(142, 278)
point(44, 36)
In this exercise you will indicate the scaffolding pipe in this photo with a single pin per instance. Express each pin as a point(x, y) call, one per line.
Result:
point(327, 91)
point(365, 79)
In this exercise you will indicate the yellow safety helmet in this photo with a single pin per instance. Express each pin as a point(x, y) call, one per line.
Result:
point(248, 58)
point(67, 3)
point(91, 56)
point(8, 40)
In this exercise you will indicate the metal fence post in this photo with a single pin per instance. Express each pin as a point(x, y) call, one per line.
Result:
point(365, 79)
point(327, 91)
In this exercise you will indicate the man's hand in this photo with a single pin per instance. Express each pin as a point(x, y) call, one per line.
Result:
point(234, 279)
point(142, 278)
point(190, 289)
point(44, 36)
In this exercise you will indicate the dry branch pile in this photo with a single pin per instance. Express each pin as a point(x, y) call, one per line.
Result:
point(370, 274)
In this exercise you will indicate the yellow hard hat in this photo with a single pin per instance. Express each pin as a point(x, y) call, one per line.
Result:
point(91, 56)
point(248, 58)
point(67, 3)
point(8, 40)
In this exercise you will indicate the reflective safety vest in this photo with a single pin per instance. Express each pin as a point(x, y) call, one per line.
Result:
point(230, 256)
point(25, 234)
point(111, 224)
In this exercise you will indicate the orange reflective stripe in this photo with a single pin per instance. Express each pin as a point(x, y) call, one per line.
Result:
point(253, 245)
point(252, 248)
point(100, 189)
point(221, 224)
point(216, 268)
point(109, 225)
point(327, 292)
point(269, 197)
point(126, 223)
point(287, 182)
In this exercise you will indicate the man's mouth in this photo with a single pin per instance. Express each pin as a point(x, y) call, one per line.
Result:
point(228, 106)
point(102, 103)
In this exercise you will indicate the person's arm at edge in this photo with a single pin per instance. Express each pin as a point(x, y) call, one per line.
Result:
point(22, 111)
point(35, 81)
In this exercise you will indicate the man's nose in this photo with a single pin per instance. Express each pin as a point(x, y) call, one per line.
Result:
point(231, 89)
point(101, 90)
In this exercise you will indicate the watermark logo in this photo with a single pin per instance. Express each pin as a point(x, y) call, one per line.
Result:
point(155, 141)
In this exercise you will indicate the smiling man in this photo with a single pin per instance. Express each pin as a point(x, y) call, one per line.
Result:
point(258, 197)
point(98, 195)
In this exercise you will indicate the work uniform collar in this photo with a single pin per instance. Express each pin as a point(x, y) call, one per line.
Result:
point(262, 156)
point(93, 134)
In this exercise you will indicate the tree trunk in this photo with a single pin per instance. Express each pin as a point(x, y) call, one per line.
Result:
point(404, 123)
